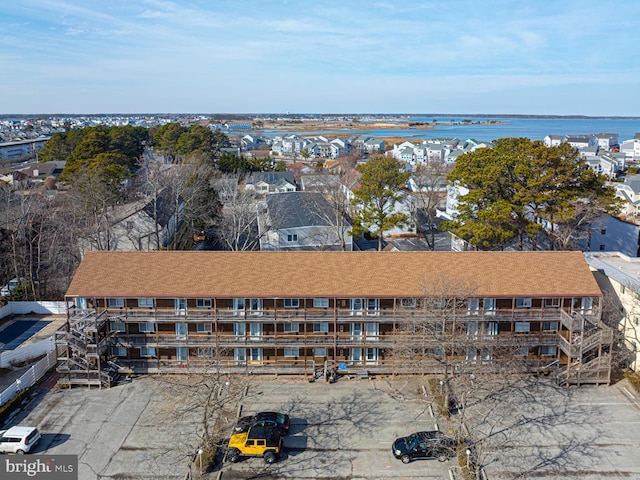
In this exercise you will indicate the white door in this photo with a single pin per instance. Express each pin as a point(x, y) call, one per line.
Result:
point(240, 356)
point(255, 306)
point(181, 306)
point(255, 331)
point(372, 356)
point(255, 354)
point(239, 329)
point(181, 331)
point(356, 356)
point(373, 330)
point(473, 306)
point(238, 306)
point(489, 306)
point(356, 306)
point(356, 331)
point(373, 306)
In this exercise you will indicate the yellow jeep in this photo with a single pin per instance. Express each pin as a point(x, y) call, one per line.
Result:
point(256, 442)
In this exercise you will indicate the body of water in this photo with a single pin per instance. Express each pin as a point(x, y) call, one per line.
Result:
point(533, 128)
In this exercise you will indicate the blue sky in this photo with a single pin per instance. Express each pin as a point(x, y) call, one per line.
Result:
point(560, 57)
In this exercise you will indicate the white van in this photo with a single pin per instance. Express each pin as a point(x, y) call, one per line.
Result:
point(10, 287)
point(18, 439)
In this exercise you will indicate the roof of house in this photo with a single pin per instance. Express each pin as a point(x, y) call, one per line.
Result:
point(205, 274)
point(272, 178)
point(298, 209)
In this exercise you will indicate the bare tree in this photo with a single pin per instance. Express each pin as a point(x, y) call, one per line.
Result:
point(430, 181)
point(237, 225)
point(338, 217)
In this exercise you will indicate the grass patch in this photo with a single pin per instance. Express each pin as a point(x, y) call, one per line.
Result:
point(439, 399)
point(466, 464)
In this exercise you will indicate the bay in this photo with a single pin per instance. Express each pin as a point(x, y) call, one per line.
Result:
point(533, 128)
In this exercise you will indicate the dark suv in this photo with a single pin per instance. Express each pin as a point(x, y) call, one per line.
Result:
point(428, 445)
point(280, 421)
point(263, 442)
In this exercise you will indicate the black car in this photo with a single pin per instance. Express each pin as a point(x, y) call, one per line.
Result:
point(431, 444)
point(280, 421)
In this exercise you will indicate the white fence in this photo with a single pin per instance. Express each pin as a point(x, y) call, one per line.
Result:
point(29, 378)
point(38, 308)
point(26, 353)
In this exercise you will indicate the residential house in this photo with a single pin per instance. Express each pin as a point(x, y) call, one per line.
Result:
point(607, 141)
point(629, 192)
point(296, 312)
point(302, 221)
point(610, 234)
point(146, 224)
point(631, 149)
point(553, 140)
point(619, 278)
point(581, 141)
point(271, 182)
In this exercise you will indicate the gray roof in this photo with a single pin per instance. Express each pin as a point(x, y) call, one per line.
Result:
point(272, 178)
point(298, 209)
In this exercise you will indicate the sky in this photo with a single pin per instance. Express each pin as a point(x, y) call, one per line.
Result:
point(539, 57)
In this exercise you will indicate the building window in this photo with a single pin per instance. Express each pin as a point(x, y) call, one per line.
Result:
point(145, 302)
point(118, 352)
point(602, 247)
point(147, 352)
point(205, 352)
point(291, 352)
point(116, 327)
point(550, 326)
point(320, 352)
point(549, 351)
point(146, 327)
point(522, 351)
point(115, 302)
point(182, 353)
point(552, 302)
point(292, 237)
point(291, 303)
point(321, 303)
point(603, 231)
point(291, 327)
point(522, 326)
point(204, 327)
point(203, 303)
point(321, 327)
point(523, 302)
point(473, 306)
point(408, 303)
point(491, 328)
point(239, 329)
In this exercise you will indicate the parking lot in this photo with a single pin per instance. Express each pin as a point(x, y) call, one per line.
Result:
point(146, 429)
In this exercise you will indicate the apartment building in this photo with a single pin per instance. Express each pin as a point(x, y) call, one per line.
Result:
point(295, 312)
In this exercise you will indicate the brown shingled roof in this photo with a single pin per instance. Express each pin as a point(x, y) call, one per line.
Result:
point(207, 274)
